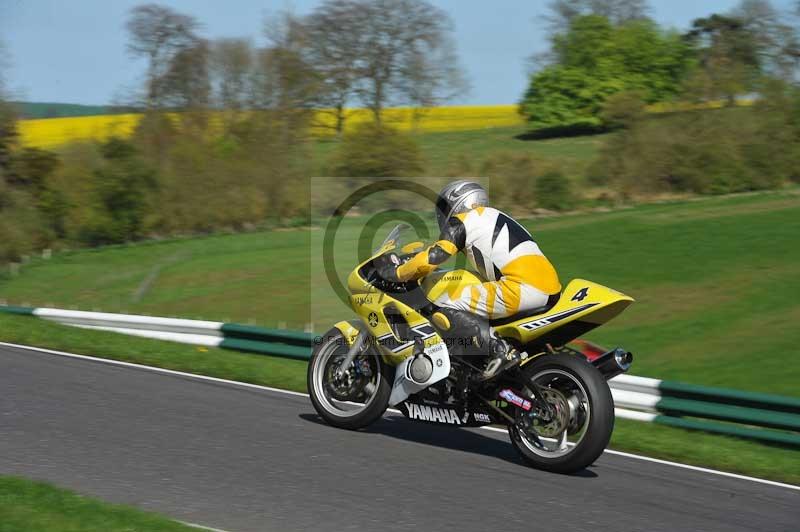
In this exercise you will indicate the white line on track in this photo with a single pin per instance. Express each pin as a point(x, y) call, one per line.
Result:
point(299, 394)
point(201, 527)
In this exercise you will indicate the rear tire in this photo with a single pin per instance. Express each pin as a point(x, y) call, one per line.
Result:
point(599, 426)
point(333, 345)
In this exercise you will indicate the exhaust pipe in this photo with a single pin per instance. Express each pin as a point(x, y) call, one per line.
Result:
point(613, 362)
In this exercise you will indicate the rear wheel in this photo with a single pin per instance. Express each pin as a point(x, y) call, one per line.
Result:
point(574, 430)
point(350, 397)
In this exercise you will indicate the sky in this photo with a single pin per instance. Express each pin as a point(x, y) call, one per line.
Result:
point(74, 51)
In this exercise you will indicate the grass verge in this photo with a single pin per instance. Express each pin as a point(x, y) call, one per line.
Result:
point(712, 280)
point(691, 447)
point(27, 505)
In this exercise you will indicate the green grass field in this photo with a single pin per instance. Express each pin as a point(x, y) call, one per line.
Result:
point(730, 454)
point(441, 150)
point(716, 282)
point(26, 505)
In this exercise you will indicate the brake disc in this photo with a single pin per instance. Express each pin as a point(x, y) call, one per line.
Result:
point(557, 420)
point(351, 383)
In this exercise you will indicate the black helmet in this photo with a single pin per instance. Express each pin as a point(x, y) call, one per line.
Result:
point(457, 197)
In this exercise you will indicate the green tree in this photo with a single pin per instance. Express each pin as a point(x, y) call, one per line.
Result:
point(31, 170)
point(595, 59)
point(120, 187)
point(31, 167)
point(728, 54)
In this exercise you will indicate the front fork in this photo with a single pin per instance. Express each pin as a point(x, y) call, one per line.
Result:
point(355, 348)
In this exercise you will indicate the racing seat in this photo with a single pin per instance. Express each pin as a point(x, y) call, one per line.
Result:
point(551, 302)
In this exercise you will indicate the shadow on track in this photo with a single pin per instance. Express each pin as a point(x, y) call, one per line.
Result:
point(469, 441)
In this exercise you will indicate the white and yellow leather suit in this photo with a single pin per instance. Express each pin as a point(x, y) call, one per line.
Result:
point(518, 275)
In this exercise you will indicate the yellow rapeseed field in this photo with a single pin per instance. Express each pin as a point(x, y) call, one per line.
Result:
point(51, 132)
point(673, 107)
point(433, 119)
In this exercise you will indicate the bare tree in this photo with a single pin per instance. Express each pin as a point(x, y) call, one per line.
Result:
point(563, 12)
point(426, 79)
point(231, 70)
point(8, 118)
point(335, 44)
point(777, 42)
point(185, 85)
point(287, 79)
point(406, 44)
point(159, 34)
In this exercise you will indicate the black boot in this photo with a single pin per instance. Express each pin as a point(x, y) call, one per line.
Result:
point(464, 329)
point(502, 356)
point(462, 325)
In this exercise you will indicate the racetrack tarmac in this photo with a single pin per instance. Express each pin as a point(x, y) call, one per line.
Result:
point(242, 458)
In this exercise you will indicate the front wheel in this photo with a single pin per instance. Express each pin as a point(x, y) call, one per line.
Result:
point(573, 431)
point(352, 397)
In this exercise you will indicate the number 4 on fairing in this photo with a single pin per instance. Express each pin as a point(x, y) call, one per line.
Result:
point(581, 294)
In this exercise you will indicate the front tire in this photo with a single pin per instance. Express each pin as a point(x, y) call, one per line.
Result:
point(589, 418)
point(360, 397)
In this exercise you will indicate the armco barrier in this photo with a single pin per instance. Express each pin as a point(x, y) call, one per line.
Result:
point(289, 344)
point(760, 416)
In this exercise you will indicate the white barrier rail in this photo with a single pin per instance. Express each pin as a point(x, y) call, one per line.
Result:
point(630, 393)
point(759, 416)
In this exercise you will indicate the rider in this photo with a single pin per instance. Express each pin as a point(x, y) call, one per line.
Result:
point(518, 276)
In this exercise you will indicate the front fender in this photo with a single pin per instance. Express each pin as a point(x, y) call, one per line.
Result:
point(350, 329)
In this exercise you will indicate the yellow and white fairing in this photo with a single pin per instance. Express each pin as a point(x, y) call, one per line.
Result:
point(375, 309)
point(582, 303)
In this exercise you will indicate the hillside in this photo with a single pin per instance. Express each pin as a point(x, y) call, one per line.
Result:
point(714, 281)
point(29, 110)
point(441, 150)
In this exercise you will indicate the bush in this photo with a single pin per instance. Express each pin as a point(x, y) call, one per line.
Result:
point(553, 191)
point(705, 152)
point(31, 167)
point(520, 183)
point(511, 177)
point(119, 195)
point(31, 171)
point(623, 110)
point(373, 150)
point(21, 229)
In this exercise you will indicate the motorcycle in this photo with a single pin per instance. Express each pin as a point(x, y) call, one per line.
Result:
point(556, 403)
